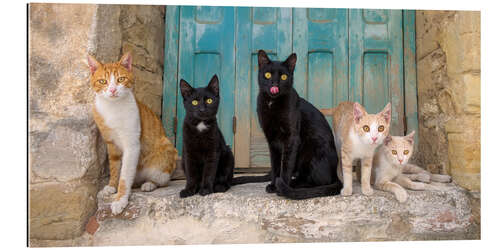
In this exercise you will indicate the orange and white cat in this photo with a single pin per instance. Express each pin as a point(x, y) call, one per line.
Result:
point(391, 171)
point(133, 133)
point(357, 135)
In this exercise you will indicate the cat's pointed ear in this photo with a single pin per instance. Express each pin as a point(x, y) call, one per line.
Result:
point(93, 63)
point(358, 112)
point(290, 62)
point(126, 61)
point(387, 140)
point(213, 85)
point(186, 89)
point(410, 137)
point(263, 59)
point(386, 113)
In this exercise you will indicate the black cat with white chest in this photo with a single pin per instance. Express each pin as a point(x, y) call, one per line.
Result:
point(207, 161)
point(301, 143)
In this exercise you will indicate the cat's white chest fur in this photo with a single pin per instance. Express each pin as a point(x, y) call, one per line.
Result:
point(122, 117)
point(201, 127)
point(360, 149)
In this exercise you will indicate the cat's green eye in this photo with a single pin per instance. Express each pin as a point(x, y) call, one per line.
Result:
point(209, 100)
point(406, 152)
point(366, 128)
point(394, 152)
point(102, 81)
point(284, 77)
point(121, 79)
point(267, 75)
point(381, 128)
point(194, 102)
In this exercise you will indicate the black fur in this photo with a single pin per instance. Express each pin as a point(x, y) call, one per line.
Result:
point(301, 143)
point(207, 161)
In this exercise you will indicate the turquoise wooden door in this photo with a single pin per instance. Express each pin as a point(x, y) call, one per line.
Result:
point(357, 55)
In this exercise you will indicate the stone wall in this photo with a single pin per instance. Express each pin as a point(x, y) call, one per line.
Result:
point(67, 156)
point(448, 81)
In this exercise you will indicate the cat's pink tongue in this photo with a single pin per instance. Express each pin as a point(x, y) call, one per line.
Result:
point(275, 90)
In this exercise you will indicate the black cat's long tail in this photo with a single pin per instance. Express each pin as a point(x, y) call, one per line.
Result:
point(306, 193)
point(250, 179)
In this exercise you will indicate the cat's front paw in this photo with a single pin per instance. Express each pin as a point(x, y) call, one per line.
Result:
point(107, 190)
point(148, 187)
point(346, 191)
point(205, 191)
point(366, 190)
point(401, 195)
point(271, 188)
point(187, 192)
point(219, 188)
point(118, 206)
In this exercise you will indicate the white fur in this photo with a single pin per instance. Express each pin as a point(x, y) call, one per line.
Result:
point(107, 190)
point(121, 115)
point(361, 147)
point(201, 126)
point(148, 186)
point(152, 174)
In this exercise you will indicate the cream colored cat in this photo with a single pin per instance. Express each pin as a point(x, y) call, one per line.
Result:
point(391, 163)
point(357, 135)
point(132, 132)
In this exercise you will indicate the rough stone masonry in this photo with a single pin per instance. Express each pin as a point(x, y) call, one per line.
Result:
point(67, 157)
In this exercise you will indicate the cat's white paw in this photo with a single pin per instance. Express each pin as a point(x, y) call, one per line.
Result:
point(118, 206)
point(346, 191)
point(367, 190)
point(148, 186)
point(107, 190)
point(401, 195)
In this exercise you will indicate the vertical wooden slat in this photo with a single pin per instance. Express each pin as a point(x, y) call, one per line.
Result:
point(243, 67)
point(170, 80)
point(376, 62)
point(410, 73)
point(320, 40)
point(186, 63)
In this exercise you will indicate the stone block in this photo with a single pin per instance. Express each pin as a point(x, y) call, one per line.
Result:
point(60, 210)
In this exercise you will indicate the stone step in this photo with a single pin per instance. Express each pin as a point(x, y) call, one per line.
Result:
point(247, 214)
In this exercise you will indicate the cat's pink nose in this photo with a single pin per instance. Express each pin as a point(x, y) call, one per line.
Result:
point(113, 90)
point(400, 161)
point(374, 139)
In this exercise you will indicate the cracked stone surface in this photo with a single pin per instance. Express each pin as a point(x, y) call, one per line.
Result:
point(247, 214)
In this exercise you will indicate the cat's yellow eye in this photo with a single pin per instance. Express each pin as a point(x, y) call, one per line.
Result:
point(194, 102)
point(121, 79)
point(394, 152)
point(209, 100)
point(406, 152)
point(102, 81)
point(381, 128)
point(267, 75)
point(284, 77)
point(366, 128)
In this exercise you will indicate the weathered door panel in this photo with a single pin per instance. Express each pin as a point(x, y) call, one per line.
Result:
point(269, 29)
point(376, 62)
point(320, 39)
point(206, 47)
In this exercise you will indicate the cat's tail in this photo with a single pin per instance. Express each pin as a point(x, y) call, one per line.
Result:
point(250, 179)
point(327, 111)
point(306, 193)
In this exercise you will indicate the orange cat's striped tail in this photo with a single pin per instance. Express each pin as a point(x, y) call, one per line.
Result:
point(327, 111)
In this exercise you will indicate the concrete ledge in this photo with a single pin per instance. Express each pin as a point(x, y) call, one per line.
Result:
point(247, 214)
